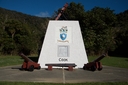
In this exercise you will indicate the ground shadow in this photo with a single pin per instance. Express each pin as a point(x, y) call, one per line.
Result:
point(18, 67)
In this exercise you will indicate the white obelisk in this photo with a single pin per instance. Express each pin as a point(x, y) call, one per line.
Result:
point(63, 43)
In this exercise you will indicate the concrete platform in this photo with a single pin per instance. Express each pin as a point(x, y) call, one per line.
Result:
point(108, 74)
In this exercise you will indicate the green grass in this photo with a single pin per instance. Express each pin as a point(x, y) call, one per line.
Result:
point(112, 61)
point(10, 60)
point(109, 61)
point(87, 83)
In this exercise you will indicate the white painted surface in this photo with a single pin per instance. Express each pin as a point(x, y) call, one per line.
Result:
point(69, 50)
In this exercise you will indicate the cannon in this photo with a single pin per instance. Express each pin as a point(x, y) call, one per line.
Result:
point(28, 64)
point(96, 64)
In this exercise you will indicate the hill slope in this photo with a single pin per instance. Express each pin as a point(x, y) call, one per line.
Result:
point(20, 32)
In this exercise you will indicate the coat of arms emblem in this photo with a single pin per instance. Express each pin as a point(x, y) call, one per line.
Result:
point(63, 32)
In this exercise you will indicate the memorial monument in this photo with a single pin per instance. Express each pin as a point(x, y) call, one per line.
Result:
point(63, 43)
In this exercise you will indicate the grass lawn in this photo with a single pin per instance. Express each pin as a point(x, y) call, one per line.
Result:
point(109, 61)
point(87, 83)
point(112, 61)
point(10, 60)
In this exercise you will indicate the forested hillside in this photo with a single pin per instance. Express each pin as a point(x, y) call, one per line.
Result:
point(20, 32)
point(103, 31)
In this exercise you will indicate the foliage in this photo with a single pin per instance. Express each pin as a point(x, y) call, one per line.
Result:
point(101, 22)
point(122, 36)
point(20, 32)
point(101, 27)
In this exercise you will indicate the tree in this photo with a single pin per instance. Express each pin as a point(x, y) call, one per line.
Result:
point(24, 41)
point(98, 27)
point(3, 36)
point(16, 37)
point(122, 36)
point(101, 23)
point(20, 32)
